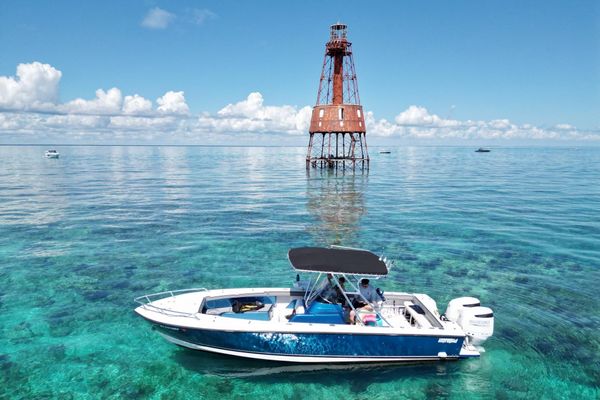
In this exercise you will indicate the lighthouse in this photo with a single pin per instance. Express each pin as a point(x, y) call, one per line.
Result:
point(337, 126)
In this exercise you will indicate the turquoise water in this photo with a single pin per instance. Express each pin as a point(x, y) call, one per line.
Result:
point(81, 236)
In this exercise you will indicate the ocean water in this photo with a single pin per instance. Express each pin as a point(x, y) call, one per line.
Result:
point(83, 235)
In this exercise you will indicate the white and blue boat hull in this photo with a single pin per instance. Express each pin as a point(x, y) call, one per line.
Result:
point(316, 347)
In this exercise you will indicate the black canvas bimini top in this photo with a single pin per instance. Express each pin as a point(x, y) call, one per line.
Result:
point(336, 260)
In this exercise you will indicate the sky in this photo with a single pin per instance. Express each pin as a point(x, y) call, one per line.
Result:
point(247, 72)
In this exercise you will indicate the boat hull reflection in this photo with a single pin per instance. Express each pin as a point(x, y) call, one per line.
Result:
point(232, 367)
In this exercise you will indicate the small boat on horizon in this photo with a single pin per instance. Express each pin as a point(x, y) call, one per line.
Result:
point(482, 150)
point(384, 152)
point(52, 153)
point(309, 322)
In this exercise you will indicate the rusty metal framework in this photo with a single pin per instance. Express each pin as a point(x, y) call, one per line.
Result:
point(337, 127)
point(350, 92)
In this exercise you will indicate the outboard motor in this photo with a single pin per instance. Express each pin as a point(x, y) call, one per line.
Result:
point(456, 305)
point(476, 321)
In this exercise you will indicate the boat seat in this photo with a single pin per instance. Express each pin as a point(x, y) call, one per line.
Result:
point(218, 310)
point(252, 315)
point(416, 315)
point(319, 313)
point(264, 314)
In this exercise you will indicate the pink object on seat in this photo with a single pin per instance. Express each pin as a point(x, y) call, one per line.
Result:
point(369, 319)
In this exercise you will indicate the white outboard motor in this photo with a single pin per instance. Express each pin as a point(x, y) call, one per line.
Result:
point(456, 305)
point(478, 323)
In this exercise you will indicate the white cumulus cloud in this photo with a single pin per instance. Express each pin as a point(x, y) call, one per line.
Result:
point(29, 105)
point(420, 116)
point(136, 105)
point(416, 122)
point(415, 115)
point(172, 103)
point(251, 115)
point(564, 127)
point(157, 18)
point(245, 108)
point(35, 85)
point(106, 102)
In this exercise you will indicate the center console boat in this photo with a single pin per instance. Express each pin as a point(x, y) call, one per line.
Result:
point(306, 324)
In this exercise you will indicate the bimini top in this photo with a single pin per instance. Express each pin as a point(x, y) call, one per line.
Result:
point(337, 261)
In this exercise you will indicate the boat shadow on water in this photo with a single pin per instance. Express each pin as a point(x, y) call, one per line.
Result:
point(213, 364)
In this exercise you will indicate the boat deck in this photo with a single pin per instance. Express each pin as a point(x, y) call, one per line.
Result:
point(400, 310)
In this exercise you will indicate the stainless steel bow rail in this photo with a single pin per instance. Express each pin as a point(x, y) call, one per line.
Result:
point(146, 300)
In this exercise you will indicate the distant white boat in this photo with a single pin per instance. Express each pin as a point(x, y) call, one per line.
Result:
point(52, 154)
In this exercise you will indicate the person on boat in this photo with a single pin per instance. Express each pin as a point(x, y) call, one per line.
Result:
point(339, 290)
point(369, 294)
point(367, 291)
point(332, 292)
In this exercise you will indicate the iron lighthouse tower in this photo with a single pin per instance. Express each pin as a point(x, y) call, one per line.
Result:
point(337, 126)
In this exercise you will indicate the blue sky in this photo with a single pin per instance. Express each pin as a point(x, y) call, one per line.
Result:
point(433, 71)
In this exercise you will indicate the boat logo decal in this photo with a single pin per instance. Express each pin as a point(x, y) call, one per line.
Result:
point(447, 340)
point(173, 328)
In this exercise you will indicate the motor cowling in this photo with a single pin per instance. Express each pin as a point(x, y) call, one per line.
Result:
point(477, 322)
point(457, 305)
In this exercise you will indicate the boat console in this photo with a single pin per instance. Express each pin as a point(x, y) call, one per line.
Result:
point(321, 313)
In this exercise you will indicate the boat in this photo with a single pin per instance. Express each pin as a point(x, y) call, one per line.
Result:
point(384, 152)
point(52, 154)
point(304, 324)
point(482, 150)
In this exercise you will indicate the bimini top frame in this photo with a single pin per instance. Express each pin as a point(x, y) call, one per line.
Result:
point(337, 260)
point(316, 286)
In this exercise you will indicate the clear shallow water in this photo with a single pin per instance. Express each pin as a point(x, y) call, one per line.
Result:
point(81, 236)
